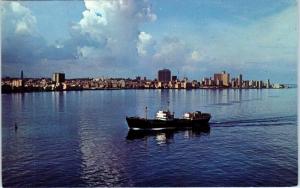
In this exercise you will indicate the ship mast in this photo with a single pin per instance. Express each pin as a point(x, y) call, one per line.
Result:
point(146, 112)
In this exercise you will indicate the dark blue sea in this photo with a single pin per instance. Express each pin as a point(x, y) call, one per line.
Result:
point(80, 138)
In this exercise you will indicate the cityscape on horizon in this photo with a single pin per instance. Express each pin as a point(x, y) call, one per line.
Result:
point(164, 80)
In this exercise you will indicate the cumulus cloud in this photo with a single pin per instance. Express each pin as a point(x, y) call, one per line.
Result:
point(23, 48)
point(107, 33)
point(114, 24)
point(177, 54)
point(145, 44)
point(24, 21)
point(19, 40)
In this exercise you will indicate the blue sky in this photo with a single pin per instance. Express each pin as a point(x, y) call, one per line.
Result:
point(126, 38)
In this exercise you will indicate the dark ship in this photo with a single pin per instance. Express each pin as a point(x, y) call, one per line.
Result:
point(165, 120)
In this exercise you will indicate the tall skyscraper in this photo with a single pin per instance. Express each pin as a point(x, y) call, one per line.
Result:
point(222, 78)
point(217, 77)
point(58, 77)
point(268, 83)
point(225, 78)
point(22, 76)
point(164, 75)
point(240, 84)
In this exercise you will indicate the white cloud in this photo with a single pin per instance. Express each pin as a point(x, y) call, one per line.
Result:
point(177, 54)
point(147, 14)
point(24, 22)
point(115, 24)
point(195, 55)
point(145, 44)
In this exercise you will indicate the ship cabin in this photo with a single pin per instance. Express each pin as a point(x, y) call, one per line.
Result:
point(192, 115)
point(164, 115)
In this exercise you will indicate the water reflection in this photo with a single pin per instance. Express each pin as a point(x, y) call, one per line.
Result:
point(164, 99)
point(58, 99)
point(165, 136)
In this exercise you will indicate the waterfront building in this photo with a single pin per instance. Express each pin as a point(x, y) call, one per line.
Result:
point(253, 84)
point(278, 86)
point(195, 84)
point(225, 78)
point(210, 82)
point(43, 83)
point(171, 84)
point(17, 83)
point(260, 84)
point(58, 77)
point(268, 85)
point(219, 83)
point(205, 81)
point(217, 77)
point(122, 83)
point(174, 78)
point(158, 84)
point(222, 78)
point(233, 82)
point(240, 81)
point(186, 85)
point(164, 75)
point(177, 85)
point(65, 86)
point(246, 83)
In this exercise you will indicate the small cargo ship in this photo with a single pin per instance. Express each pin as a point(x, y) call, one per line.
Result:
point(166, 120)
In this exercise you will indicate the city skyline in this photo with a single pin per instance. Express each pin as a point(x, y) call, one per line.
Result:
point(159, 76)
point(129, 38)
point(164, 80)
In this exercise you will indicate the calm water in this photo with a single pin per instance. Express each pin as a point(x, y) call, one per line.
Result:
point(81, 139)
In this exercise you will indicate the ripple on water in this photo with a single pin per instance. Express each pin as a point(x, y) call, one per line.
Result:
point(81, 139)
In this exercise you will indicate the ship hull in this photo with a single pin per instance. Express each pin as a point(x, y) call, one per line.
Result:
point(137, 123)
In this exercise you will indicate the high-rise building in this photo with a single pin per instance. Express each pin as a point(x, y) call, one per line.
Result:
point(222, 78)
point(22, 76)
point(174, 78)
point(240, 81)
point(58, 77)
point(252, 83)
point(268, 83)
point(225, 78)
point(217, 77)
point(164, 75)
point(260, 84)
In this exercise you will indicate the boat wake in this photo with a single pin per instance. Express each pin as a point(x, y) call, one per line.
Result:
point(271, 121)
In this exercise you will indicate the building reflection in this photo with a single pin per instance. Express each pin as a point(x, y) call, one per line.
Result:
point(58, 99)
point(166, 136)
point(164, 99)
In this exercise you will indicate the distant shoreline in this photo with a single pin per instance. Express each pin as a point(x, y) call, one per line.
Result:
point(111, 89)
